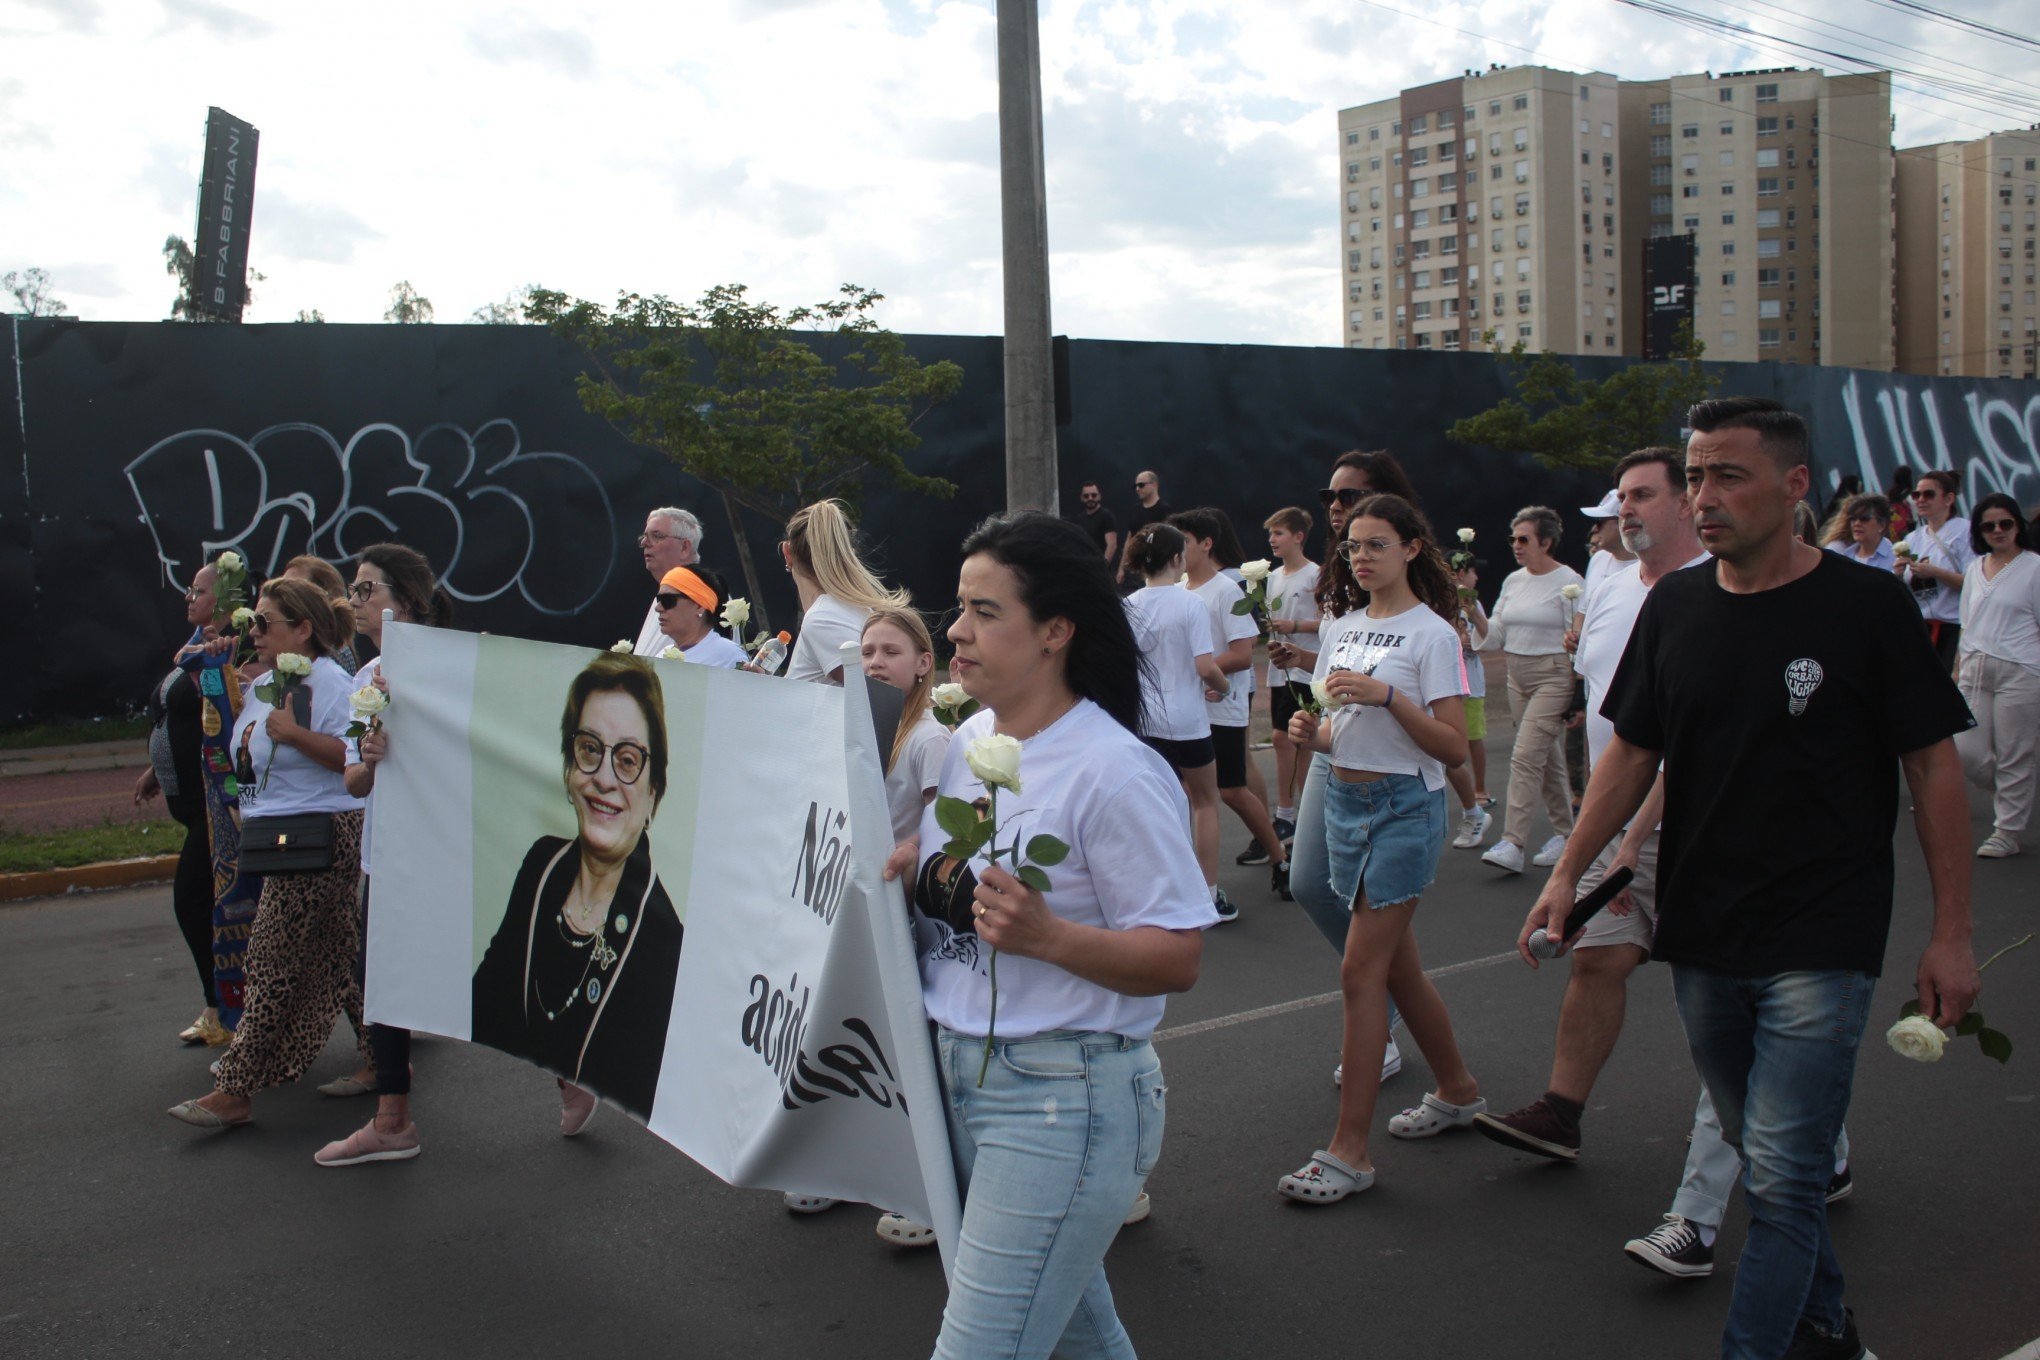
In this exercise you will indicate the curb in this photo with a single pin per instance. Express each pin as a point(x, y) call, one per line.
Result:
point(124, 873)
point(110, 755)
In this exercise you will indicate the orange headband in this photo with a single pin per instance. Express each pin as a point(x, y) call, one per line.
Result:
point(690, 585)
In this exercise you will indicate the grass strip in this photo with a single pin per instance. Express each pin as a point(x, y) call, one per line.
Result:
point(78, 733)
point(31, 852)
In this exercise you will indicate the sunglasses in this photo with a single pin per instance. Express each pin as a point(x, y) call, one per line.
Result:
point(262, 623)
point(1926, 493)
point(1996, 526)
point(668, 599)
point(1345, 497)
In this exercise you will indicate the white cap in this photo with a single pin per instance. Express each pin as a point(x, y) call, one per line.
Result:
point(1609, 508)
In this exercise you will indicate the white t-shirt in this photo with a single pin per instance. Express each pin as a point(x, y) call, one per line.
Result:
point(827, 625)
point(1598, 567)
point(1937, 601)
point(917, 769)
point(1290, 597)
point(652, 639)
point(2001, 616)
point(1116, 804)
point(1418, 653)
point(713, 650)
point(1605, 626)
point(1218, 595)
point(1173, 629)
point(296, 782)
point(1529, 618)
point(363, 678)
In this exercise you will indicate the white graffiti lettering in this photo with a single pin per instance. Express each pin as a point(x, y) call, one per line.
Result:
point(1998, 451)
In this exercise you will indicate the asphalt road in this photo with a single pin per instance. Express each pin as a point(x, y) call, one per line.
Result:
point(123, 1233)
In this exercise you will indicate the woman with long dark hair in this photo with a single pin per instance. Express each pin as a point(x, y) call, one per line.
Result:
point(1043, 644)
point(2000, 673)
point(1393, 680)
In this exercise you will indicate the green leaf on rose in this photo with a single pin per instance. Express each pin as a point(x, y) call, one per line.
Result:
point(1971, 1023)
point(1995, 1045)
point(1033, 878)
point(1243, 606)
point(1047, 850)
point(956, 817)
point(960, 849)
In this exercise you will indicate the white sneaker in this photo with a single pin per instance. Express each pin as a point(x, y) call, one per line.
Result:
point(1548, 856)
point(1505, 855)
point(1472, 828)
point(1998, 845)
point(1391, 1059)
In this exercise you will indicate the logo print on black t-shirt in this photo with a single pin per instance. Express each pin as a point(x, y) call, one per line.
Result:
point(1802, 678)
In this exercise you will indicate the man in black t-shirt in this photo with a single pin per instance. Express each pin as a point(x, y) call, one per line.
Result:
point(1152, 509)
point(1783, 693)
point(1098, 522)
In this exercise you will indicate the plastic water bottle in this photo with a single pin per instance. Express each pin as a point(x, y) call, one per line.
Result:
point(771, 653)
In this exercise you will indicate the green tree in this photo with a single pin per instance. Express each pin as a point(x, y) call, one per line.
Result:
point(31, 291)
point(313, 315)
point(771, 409)
point(1566, 421)
point(407, 306)
point(509, 312)
point(180, 264)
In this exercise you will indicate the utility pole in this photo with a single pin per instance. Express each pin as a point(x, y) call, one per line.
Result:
point(1023, 201)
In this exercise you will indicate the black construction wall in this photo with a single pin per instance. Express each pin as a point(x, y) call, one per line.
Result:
point(134, 451)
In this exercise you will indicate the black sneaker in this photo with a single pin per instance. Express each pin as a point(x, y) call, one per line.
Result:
point(1278, 879)
point(1535, 1128)
point(1285, 830)
point(1227, 912)
point(1809, 1344)
point(1841, 1185)
point(1253, 854)
point(1675, 1248)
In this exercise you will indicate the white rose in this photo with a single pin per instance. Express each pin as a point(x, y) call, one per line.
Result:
point(622, 645)
point(368, 701)
point(951, 695)
point(1466, 535)
point(228, 562)
point(243, 617)
point(1184, 579)
point(1256, 571)
point(1571, 592)
point(736, 613)
point(294, 663)
point(995, 759)
point(1918, 1038)
point(672, 654)
point(1326, 699)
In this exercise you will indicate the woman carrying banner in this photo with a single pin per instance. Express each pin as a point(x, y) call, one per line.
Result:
point(837, 591)
point(288, 759)
point(579, 977)
point(388, 576)
point(688, 604)
point(1043, 644)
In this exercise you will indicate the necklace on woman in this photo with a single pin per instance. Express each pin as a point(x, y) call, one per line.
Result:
point(600, 956)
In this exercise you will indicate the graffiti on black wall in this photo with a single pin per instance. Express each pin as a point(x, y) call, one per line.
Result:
point(499, 519)
point(1993, 441)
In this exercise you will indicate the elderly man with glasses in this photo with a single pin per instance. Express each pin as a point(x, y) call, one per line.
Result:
point(672, 538)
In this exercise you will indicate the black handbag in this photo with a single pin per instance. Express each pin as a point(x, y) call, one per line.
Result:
point(301, 843)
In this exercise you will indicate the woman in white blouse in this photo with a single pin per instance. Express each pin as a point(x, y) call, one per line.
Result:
point(2000, 674)
point(837, 591)
point(1529, 625)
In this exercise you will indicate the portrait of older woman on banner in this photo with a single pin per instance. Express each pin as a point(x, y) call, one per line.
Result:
point(579, 976)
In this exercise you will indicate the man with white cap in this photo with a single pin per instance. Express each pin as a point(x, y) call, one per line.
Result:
point(1604, 536)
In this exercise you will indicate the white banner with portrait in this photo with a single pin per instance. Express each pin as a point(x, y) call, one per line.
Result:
point(662, 882)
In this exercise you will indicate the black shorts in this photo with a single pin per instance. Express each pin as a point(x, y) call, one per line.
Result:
point(1193, 754)
point(1281, 706)
point(1230, 746)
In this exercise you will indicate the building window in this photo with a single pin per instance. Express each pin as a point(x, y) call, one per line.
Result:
point(1767, 94)
point(1767, 337)
point(1728, 338)
point(1766, 217)
point(1374, 134)
point(1726, 158)
point(1726, 94)
point(1661, 174)
point(1522, 172)
point(1767, 278)
point(1661, 144)
point(1767, 159)
point(1660, 205)
point(1767, 188)
point(1767, 127)
point(1420, 218)
point(1689, 191)
point(1728, 219)
point(1728, 308)
point(1494, 107)
point(1420, 155)
point(1520, 103)
point(1689, 223)
point(1728, 278)
point(1689, 130)
point(1660, 114)
point(1728, 247)
point(1522, 139)
point(1770, 309)
point(1352, 138)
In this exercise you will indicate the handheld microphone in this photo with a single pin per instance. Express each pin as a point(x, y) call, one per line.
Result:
point(1542, 946)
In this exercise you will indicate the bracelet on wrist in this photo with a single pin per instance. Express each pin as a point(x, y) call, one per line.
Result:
point(1391, 697)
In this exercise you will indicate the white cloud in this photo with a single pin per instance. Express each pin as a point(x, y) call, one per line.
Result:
point(594, 145)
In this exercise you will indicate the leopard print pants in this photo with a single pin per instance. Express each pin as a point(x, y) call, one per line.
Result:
point(300, 969)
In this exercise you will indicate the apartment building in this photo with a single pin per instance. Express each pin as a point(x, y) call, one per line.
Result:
point(1967, 234)
point(1782, 177)
point(1488, 203)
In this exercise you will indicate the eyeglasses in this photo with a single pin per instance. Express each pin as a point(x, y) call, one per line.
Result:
point(651, 536)
point(363, 590)
point(1346, 497)
point(1998, 526)
point(193, 592)
point(1368, 548)
point(627, 758)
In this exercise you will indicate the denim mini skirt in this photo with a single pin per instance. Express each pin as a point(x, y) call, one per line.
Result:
point(1383, 838)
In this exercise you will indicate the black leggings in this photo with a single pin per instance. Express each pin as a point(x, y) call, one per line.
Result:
point(191, 890)
point(389, 1046)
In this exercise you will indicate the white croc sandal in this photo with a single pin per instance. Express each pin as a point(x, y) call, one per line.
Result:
point(1434, 1117)
point(808, 1204)
point(902, 1231)
point(1323, 1180)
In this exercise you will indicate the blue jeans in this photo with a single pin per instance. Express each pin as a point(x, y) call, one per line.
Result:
point(1050, 1154)
point(1310, 870)
point(1778, 1055)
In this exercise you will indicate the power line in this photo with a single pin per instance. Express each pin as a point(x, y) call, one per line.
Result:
point(1957, 21)
point(1876, 41)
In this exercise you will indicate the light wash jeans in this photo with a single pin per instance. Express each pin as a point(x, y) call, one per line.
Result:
point(1050, 1154)
point(1778, 1055)
point(1310, 871)
point(1712, 1165)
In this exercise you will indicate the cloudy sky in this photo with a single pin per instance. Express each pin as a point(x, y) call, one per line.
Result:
point(596, 145)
